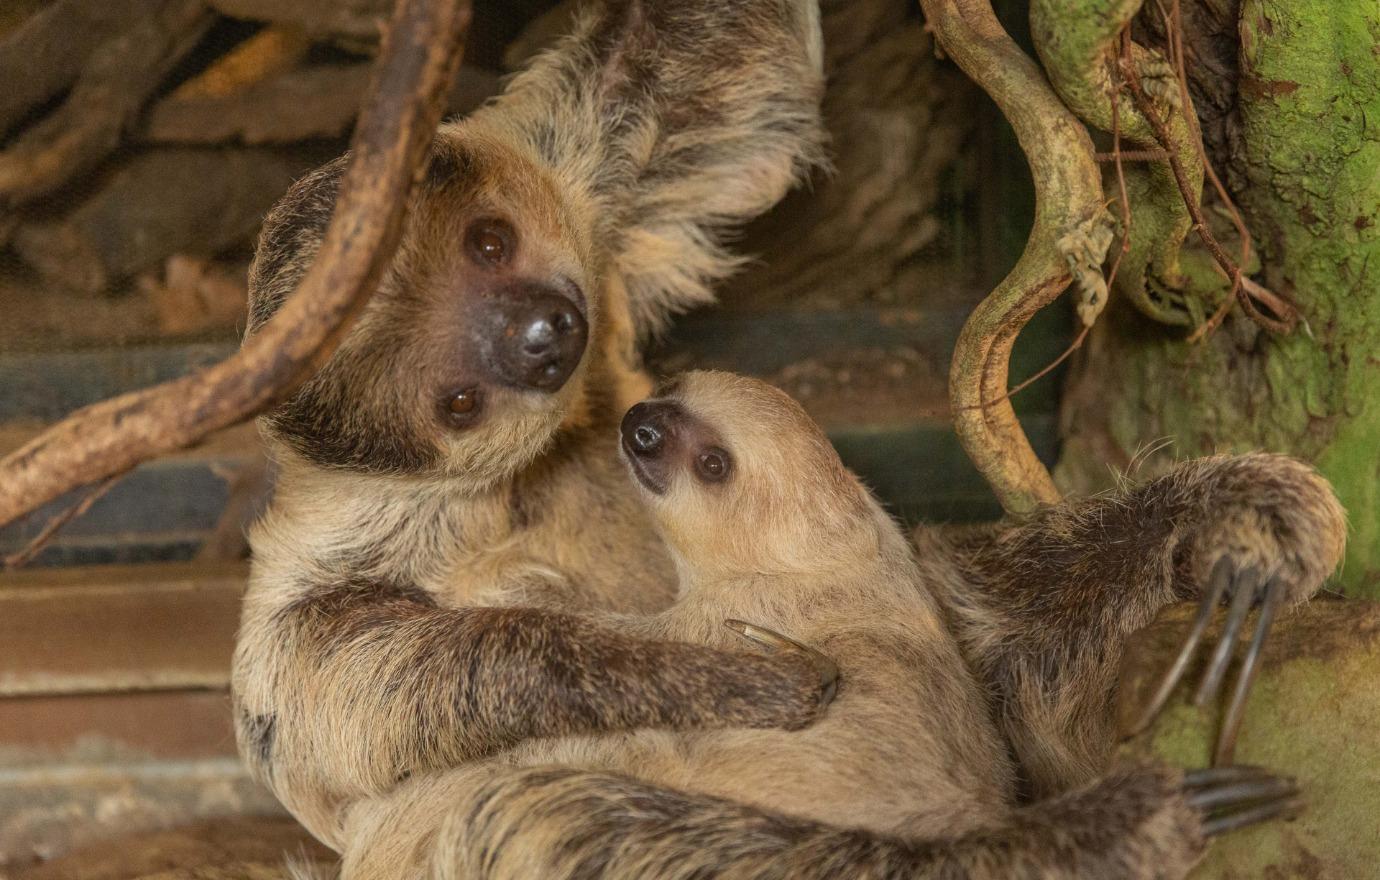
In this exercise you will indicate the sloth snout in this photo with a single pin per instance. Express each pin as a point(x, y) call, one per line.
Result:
point(541, 336)
point(646, 427)
point(646, 440)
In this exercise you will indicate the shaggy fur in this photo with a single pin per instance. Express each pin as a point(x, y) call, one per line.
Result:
point(426, 596)
point(907, 775)
point(416, 584)
point(1042, 608)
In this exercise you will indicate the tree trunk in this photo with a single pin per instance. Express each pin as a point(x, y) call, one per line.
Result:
point(1302, 156)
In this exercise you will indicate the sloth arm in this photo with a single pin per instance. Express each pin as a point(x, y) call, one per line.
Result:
point(383, 682)
point(1139, 823)
point(1043, 607)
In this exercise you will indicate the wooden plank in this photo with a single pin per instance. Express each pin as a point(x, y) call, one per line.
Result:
point(765, 342)
point(136, 628)
point(46, 809)
point(243, 848)
point(161, 725)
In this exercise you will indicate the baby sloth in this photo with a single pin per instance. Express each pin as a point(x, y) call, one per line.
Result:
point(906, 775)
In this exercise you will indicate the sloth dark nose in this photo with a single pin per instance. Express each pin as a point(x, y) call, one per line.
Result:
point(540, 341)
point(646, 426)
point(645, 440)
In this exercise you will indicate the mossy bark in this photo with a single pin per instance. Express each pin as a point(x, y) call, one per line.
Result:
point(1312, 715)
point(1305, 167)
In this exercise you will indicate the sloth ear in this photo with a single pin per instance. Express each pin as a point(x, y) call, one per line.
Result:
point(674, 121)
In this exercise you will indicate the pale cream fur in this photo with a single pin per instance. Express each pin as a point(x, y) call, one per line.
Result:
point(795, 543)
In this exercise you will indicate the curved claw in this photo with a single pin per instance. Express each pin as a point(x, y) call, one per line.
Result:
point(1288, 808)
point(1231, 723)
point(1221, 576)
point(773, 641)
point(1247, 583)
point(1234, 797)
point(1217, 775)
point(1246, 791)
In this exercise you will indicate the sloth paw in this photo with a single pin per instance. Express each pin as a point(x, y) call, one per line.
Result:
point(1272, 513)
point(823, 669)
point(1153, 820)
point(1274, 532)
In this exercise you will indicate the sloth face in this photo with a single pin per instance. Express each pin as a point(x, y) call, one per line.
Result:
point(474, 349)
point(738, 476)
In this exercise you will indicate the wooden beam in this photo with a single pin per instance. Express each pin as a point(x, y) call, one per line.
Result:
point(135, 628)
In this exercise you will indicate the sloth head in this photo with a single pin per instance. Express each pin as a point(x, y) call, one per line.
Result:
point(553, 229)
point(739, 478)
point(477, 344)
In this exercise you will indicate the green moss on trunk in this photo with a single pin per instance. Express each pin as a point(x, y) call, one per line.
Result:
point(1312, 715)
point(1307, 177)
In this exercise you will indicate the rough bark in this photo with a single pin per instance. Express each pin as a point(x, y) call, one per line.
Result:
point(1305, 165)
point(1078, 46)
point(1312, 714)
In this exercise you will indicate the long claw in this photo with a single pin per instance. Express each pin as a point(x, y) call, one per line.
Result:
point(1250, 791)
point(1233, 773)
point(1216, 825)
point(773, 641)
point(1246, 586)
point(1221, 576)
point(1231, 724)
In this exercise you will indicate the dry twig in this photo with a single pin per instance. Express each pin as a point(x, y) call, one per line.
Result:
point(1245, 290)
point(420, 53)
point(1174, 31)
point(26, 555)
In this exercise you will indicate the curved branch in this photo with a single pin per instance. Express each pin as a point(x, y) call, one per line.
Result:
point(405, 102)
point(1069, 222)
point(1078, 46)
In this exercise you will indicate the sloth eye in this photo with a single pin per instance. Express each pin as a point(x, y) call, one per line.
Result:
point(491, 241)
point(461, 406)
point(713, 465)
